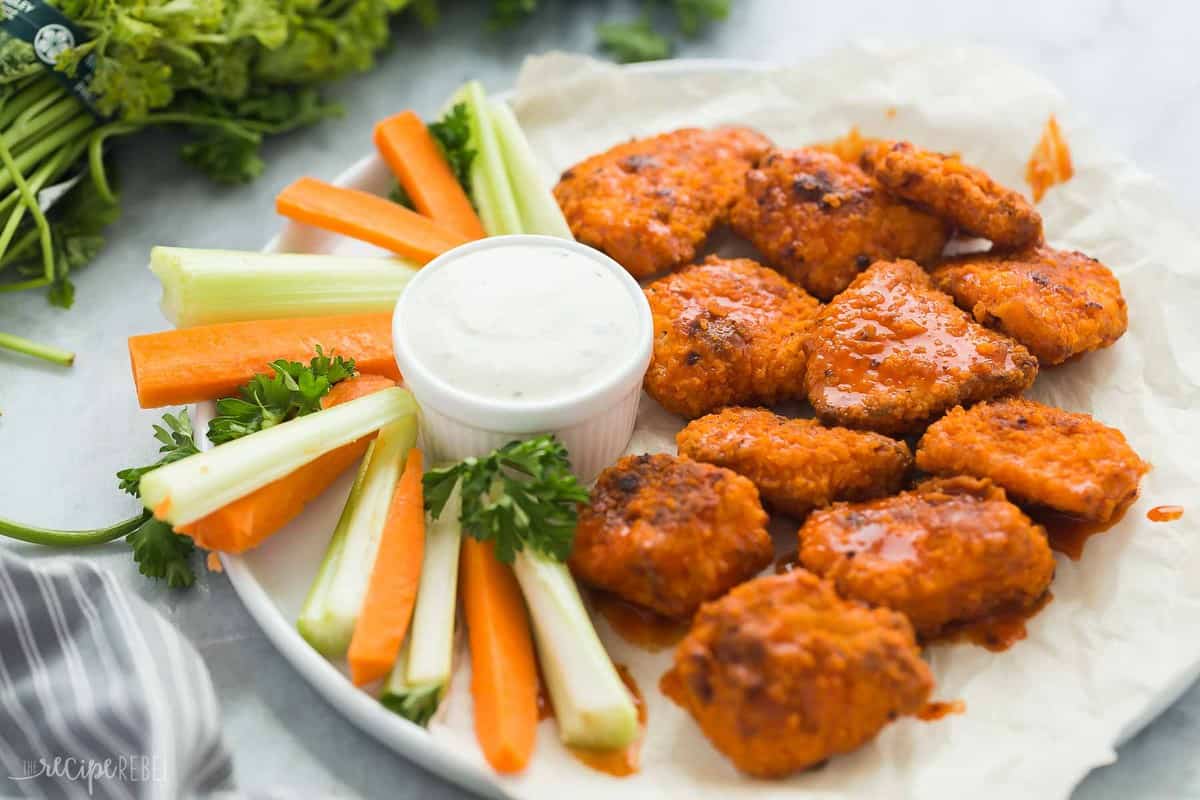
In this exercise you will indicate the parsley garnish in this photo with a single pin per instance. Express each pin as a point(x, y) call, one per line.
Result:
point(522, 495)
point(453, 135)
point(178, 441)
point(291, 390)
point(158, 550)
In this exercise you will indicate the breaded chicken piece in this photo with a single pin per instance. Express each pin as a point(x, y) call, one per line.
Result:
point(668, 533)
point(727, 332)
point(781, 673)
point(851, 147)
point(651, 203)
point(1055, 302)
point(797, 464)
point(1039, 454)
point(952, 550)
point(821, 221)
point(891, 352)
point(959, 193)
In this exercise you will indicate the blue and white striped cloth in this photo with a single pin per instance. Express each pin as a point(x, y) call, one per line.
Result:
point(99, 695)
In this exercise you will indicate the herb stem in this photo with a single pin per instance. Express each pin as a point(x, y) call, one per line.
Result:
point(30, 348)
point(53, 538)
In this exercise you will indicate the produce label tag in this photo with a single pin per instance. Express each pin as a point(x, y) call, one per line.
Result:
point(51, 34)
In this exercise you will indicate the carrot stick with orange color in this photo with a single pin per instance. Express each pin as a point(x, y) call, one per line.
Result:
point(392, 592)
point(417, 162)
point(504, 677)
point(365, 216)
point(210, 361)
point(247, 522)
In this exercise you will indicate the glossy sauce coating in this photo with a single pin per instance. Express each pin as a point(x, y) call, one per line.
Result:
point(952, 550)
point(998, 630)
point(797, 464)
point(727, 332)
point(651, 203)
point(669, 533)
point(821, 220)
point(892, 352)
point(955, 191)
point(1040, 455)
point(782, 673)
point(1057, 303)
point(638, 625)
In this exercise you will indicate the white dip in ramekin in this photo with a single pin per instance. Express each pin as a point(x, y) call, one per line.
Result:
point(511, 336)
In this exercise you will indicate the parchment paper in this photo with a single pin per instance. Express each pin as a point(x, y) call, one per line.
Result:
point(1122, 635)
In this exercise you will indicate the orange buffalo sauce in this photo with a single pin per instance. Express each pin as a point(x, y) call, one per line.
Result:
point(937, 709)
point(638, 625)
point(1050, 162)
point(1164, 513)
point(997, 631)
point(624, 761)
point(1068, 534)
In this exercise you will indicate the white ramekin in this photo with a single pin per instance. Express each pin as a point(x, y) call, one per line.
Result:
point(594, 424)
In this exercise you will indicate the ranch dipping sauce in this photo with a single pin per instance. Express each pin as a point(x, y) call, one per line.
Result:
point(509, 337)
point(522, 324)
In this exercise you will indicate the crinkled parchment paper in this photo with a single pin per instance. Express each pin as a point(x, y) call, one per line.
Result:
point(1122, 635)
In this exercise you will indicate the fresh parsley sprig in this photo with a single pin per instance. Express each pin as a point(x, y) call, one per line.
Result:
point(453, 135)
point(291, 390)
point(521, 495)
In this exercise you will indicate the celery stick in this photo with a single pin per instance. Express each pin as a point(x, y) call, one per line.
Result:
point(422, 673)
point(593, 707)
point(309, 623)
point(337, 596)
point(193, 487)
point(539, 210)
point(204, 287)
point(490, 187)
point(415, 703)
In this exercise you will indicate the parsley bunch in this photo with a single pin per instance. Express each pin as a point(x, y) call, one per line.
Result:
point(522, 495)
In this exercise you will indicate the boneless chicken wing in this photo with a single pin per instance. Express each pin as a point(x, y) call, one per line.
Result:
point(821, 221)
point(782, 673)
point(963, 195)
point(668, 533)
point(651, 203)
point(1041, 455)
point(727, 332)
point(1055, 302)
point(797, 464)
point(892, 352)
point(953, 550)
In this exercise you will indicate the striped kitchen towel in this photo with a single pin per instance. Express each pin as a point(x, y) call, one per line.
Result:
point(99, 695)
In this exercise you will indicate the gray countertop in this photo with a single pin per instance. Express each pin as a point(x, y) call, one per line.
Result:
point(1131, 67)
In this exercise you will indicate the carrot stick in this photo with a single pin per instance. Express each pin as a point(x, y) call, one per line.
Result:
point(392, 592)
point(504, 678)
point(247, 522)
point(365, 216)
point(211, 361)
point(418, 163)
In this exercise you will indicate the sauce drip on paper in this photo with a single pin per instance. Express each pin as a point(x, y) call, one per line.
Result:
point(1164, 513)
point(997, 631)
point(1069, 534)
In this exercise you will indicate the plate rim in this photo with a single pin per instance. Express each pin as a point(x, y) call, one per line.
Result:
point(403, 737)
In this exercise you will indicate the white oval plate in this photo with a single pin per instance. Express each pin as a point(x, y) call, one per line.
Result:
point(273, 581)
